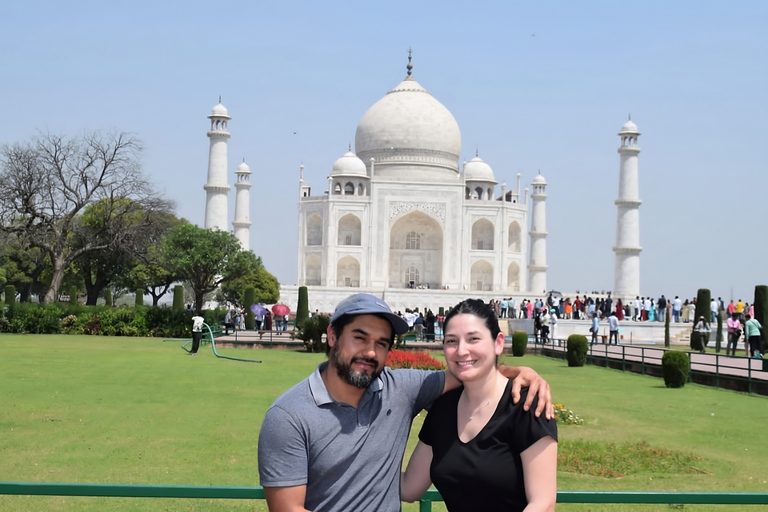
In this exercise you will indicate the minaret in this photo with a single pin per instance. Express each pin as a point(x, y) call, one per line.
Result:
point(216, 187)
point(537, 265)
point(242, 222)
point(626, 276)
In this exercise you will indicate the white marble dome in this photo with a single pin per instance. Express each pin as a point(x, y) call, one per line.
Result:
point(349, 165)
point(409, 125)
point(243, 168)
point(219, 111)
point(629, 127)
point(539, 180)
point(477, 170)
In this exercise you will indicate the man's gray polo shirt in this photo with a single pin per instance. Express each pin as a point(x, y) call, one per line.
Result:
point(348, 458)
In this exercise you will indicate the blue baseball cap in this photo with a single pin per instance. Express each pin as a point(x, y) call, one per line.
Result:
point(367, 304)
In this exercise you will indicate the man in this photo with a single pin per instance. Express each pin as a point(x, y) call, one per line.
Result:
point(646, 308)
point(637, 309)
point(739, 309)
point(228, 324)
point(677, 307)
point(335, 441)
point(504, 306)
point(197, 333)
point(613, 328)
point(714, 308)
point(752, 335)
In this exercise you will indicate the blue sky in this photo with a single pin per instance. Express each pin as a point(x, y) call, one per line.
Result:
point(533, 85)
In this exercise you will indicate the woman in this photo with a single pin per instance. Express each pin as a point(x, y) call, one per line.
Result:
point(619, 310)
point(482, 451)
point(702, 327)
point(734, 333)
point(652, 312)
point(684, 311)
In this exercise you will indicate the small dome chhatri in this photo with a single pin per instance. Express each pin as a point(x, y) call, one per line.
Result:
point(629, 127)
point(477, 170)
point(219, 111)
point(349, 165)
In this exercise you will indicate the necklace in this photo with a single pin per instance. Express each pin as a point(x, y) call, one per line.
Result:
point(477, 410)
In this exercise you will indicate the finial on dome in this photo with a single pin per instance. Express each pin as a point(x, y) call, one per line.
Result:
point(629, 117)
point(477, 152)
point(409, 67)
point(350, 146)
point(219, 99)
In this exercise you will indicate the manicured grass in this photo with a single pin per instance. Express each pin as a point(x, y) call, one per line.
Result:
point(126, 410)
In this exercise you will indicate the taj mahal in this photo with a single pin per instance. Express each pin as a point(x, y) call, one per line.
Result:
point(400, 217)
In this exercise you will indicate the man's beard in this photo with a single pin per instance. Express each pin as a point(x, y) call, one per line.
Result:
point(358, 379)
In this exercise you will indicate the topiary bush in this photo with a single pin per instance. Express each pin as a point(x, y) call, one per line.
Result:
point(675, 366)
point(250, 298)
point(178, 298)
point(311, 332)
point(760, 304)
point(576, 350)
point(10, 295)
point(519, 343)
point(302, 308)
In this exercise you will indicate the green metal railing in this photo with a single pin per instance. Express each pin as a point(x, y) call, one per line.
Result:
point(425, 504)
point(640, 359)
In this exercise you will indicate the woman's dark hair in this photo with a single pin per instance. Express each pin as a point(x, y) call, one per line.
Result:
point(478, 308)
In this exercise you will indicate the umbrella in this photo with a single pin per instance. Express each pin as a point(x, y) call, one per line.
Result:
point(258, 309)
point(281, 309)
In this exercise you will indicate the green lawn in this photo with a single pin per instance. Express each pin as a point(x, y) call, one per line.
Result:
point(126, 410)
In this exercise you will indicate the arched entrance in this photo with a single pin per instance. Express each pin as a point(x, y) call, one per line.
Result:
point(416, 252)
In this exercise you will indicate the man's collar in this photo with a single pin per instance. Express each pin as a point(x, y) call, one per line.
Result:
point(320, 392)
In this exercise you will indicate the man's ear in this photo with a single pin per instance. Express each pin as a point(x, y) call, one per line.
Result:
point(330, 336)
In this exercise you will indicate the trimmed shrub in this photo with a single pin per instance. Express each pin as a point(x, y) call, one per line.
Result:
point(675, 366)
point(666, 329)
point(761, 308)
point(178, 298)
point(302, 309)
point(250, 298)
point(576, 350)
point(519, 343)
point(73, 296)
point(699, 340)
point(311, 332)
point(10, 295)
point(108, 298)
point(139, 298)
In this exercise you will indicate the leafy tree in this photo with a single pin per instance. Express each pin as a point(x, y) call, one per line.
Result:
point(3, 280)
point(132, 258)
point(265, 285)
point(24, 266)
point(204, 258)
point(46, 184)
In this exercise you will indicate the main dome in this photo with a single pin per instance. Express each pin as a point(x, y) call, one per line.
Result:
point(409, 125)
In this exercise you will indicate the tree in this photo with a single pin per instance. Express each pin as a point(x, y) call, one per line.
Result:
point(46, 184)
point(265, 285)
point(204, 258)
point(24, 265)
point(131, 235)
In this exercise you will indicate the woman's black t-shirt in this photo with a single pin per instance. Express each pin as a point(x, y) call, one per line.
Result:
point(486, 473)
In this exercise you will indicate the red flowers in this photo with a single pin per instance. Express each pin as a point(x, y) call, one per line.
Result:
point(417, 360)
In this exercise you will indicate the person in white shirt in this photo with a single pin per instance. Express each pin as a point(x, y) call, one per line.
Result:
point(714, 307)
point(613, 328)
point(677, 307)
